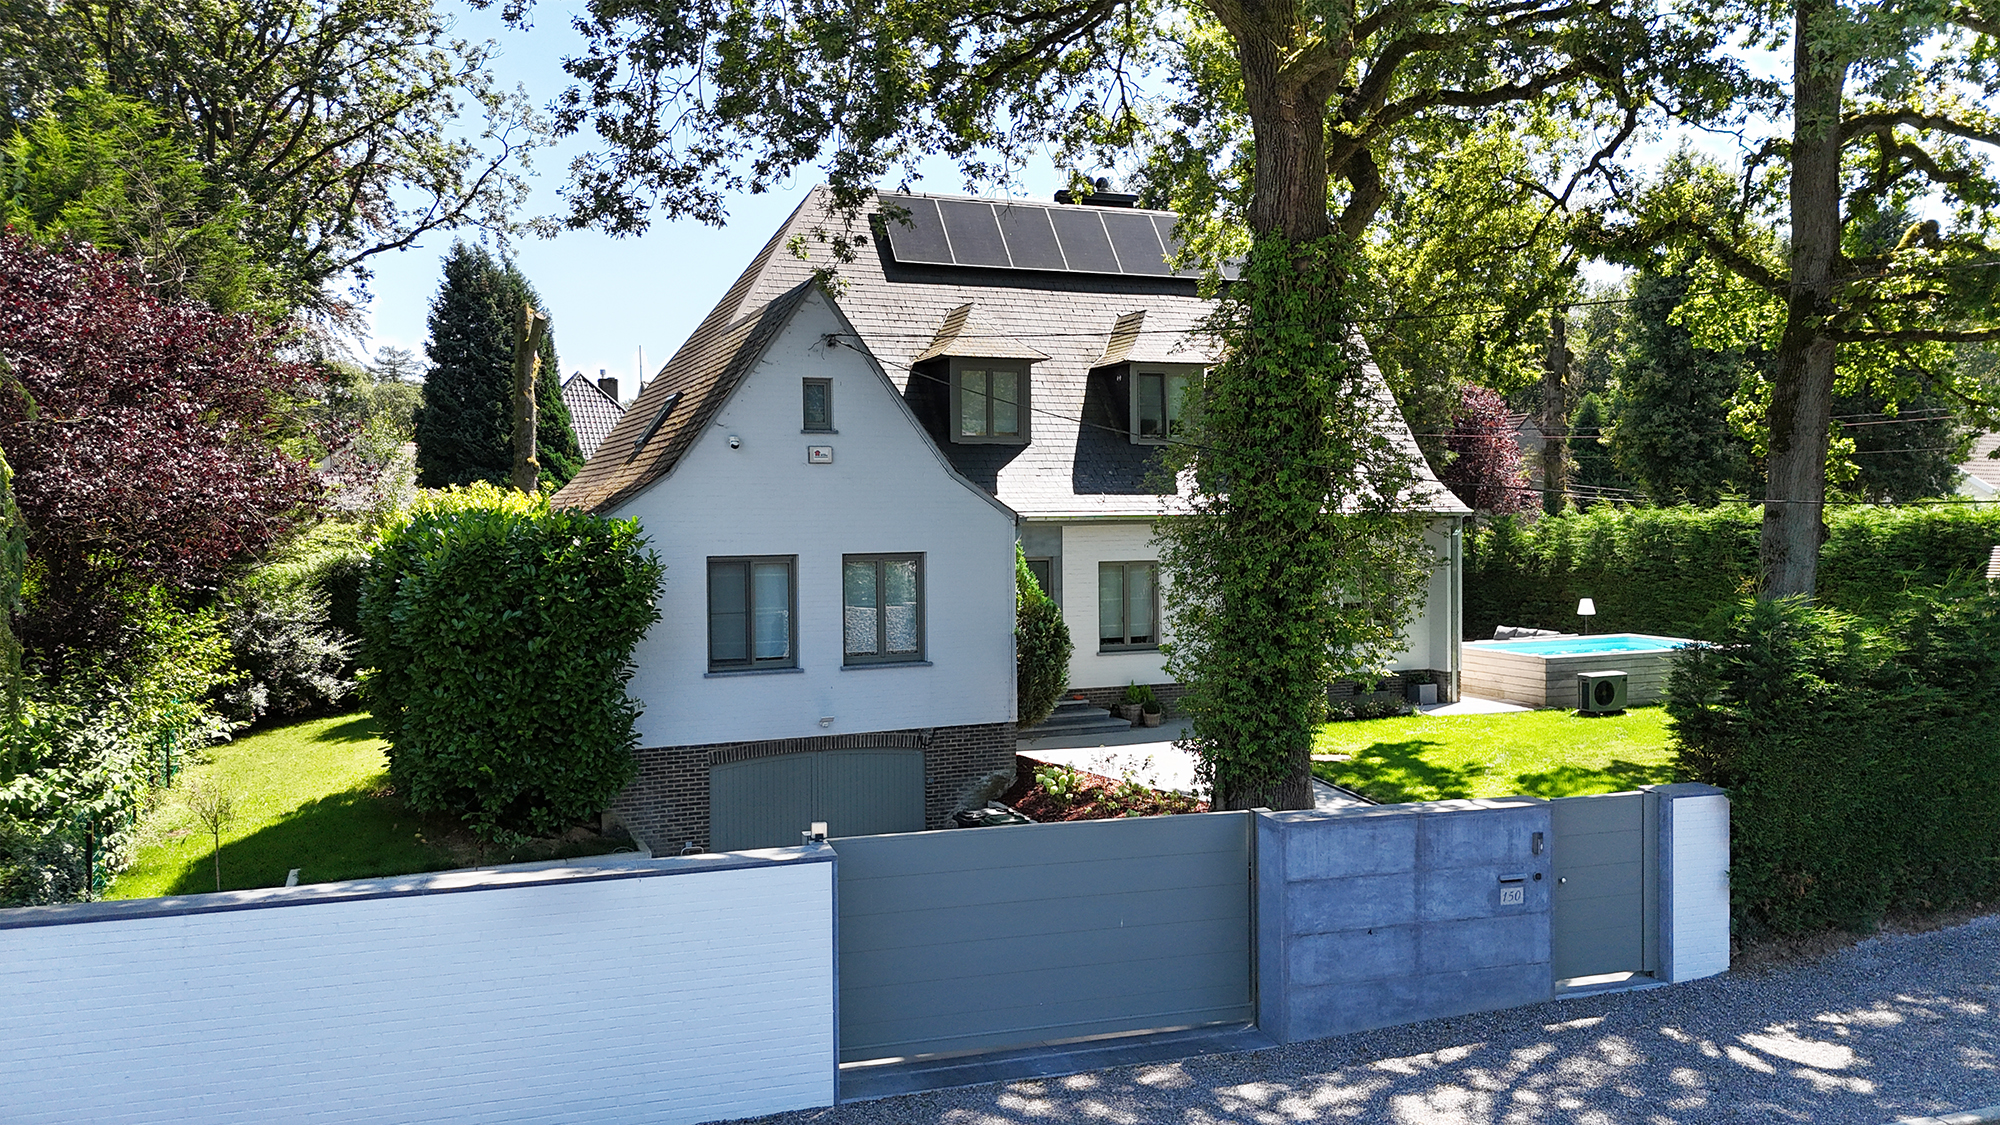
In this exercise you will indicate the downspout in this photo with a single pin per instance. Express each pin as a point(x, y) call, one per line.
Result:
point(1457, 599)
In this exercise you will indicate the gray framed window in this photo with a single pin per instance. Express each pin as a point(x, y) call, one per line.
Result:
point(1158, 400)
point(752, 613)
point(989, 401)
point(1044, 570)
point(1128, 605)
point(882, 597)
point(818, 406)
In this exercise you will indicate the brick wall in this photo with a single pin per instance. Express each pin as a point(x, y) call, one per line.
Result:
point(666, 806)
point(1169, 696)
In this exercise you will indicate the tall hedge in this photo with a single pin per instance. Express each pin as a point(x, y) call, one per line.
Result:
point(1042, 647)
point(1861, 763)
point(1669, 570)
point(501, 635)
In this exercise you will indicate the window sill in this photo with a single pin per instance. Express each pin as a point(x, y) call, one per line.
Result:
point(819, 432)
point(875, 664)
point(1121, 649)
point(726, 673)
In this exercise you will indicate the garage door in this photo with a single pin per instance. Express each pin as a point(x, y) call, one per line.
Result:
point(767, 802)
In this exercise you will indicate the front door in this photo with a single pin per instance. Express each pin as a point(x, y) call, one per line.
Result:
point(1605, 909)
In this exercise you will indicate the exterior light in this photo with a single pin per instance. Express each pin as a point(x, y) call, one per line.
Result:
point(1586, 609)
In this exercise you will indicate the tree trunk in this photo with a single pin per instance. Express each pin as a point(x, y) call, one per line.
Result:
point(1555, 415)
point(527, 362)
point(1802, 368)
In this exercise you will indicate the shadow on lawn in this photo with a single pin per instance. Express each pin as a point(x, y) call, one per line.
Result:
point(360, 728)
point(354, 834)
point(1616, 776)
point(1395, 772)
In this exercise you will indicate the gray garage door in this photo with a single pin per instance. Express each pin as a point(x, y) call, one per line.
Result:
point(767, 802)
point(988, 938)
point(1605, 904)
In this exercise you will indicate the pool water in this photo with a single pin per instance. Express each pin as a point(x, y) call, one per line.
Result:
point(1586, 646)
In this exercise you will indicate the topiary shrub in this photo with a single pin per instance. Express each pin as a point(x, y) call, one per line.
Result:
point(500, 636)
point(1041, 647)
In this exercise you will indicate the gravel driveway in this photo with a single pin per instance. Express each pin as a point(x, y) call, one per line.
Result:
point(1897, 1026)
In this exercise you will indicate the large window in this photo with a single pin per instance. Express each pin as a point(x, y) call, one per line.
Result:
point(989, 401)
point(750, 613)
point(883, 596)
point(1157, 402)
point(1128, 605)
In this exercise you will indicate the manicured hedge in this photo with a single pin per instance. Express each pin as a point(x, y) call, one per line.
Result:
point(1669, 570)
point(1862, 763)
point(500, 634)
point(1041, 647)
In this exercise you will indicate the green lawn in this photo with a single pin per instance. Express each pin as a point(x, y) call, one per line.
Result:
point(312, 795)
point(1536, 753)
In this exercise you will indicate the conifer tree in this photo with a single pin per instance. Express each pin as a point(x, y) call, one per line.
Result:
point(465, 427)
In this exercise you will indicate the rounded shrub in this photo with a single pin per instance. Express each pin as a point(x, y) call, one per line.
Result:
point(500, 635)
point(1041, 647)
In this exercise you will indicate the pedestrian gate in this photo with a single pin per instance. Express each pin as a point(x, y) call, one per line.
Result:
point(981, 939)
point(1605, 909)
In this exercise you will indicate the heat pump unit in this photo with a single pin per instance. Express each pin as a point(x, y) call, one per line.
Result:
point(1600, 693)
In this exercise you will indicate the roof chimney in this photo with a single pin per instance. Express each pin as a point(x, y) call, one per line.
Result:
point(607, 384)
point(1101, 195)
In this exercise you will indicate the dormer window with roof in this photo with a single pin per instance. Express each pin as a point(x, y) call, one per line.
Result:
point(988, 376)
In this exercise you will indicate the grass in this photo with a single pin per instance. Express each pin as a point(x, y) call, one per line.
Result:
point(1535, 753)
point(313, 795)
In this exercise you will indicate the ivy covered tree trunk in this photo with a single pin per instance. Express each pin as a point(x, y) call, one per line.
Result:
point(1802, 368)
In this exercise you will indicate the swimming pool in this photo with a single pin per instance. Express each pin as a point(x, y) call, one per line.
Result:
point(1541, 672)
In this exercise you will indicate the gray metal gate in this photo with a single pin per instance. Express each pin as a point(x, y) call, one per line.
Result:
point(767, 802)
point(988, 938)
point(1605, 913)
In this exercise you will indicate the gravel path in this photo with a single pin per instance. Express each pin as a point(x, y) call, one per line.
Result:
point(1897, 1026)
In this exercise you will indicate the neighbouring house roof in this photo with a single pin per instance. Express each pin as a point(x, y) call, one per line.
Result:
point(592, 413)
point(1982, 471)
point(1082, 306)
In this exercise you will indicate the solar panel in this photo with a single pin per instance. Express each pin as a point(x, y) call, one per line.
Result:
point(974, 233)
point(1031, 241)
point(920, 239)
point(1166, 226)
point(1136, 243)
point(1084, 242)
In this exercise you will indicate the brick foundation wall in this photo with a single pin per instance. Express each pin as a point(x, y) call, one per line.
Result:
point(1393, 686)
point(1169, 696)
point(666, 806)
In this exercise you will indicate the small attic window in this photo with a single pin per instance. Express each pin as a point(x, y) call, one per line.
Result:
point(818, 406)
point(989, 401)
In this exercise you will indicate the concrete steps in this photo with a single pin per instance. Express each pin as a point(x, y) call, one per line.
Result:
point(1074, 717)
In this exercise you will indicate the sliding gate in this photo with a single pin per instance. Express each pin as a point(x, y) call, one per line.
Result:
point(981, 939)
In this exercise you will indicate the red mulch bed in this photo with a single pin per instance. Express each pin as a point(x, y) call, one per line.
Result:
point(1097, 797)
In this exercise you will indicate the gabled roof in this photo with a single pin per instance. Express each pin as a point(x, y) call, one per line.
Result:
point(592, 413)
point(1080, 462)
point(671, 412)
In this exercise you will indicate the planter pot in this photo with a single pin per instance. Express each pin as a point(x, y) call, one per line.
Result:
point(1150, 718)
point(1126, 711)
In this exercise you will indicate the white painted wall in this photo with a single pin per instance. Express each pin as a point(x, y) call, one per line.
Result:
point(887, 490)
point(1428, 640)
point(1699, 872)
point(1085, 545)
point(673, 998)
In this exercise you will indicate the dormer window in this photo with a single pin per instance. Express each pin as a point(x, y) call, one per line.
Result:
point(1159, 398)
point(989, 400)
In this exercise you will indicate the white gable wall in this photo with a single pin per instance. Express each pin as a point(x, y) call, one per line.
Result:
point(887, 490)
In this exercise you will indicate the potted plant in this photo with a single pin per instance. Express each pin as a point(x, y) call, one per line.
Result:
point(1136, 695)
point(1150, 712)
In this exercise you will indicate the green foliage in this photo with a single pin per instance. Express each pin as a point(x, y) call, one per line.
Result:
point(465, 429)
point(1291, 565)
point(97, 744)
point(1062, 784)
point(1859, 761)
point(501, 634)
point(1673, 435)
point(13, 570)
point(95, 167)
point(1596, 474)
point(1668, 570)
point(1042, 647)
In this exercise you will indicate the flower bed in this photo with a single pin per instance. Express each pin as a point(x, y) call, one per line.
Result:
point(1050, 793)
